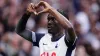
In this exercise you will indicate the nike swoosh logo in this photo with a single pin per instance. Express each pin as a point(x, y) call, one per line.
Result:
point(44, 44)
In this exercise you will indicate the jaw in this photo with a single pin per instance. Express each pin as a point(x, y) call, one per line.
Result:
point(53, 32)
point(49, 31)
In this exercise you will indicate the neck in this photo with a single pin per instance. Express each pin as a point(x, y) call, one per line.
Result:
point(56, 36)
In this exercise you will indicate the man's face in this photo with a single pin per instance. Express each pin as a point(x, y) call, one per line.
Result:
point(53, 26)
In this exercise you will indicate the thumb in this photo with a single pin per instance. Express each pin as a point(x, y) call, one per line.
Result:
point(35, 13)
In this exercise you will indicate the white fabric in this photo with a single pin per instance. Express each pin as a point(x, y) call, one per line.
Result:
point(33, 36)
point(47, 46)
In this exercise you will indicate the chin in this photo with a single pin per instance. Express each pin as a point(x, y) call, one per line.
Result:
point(50, 32)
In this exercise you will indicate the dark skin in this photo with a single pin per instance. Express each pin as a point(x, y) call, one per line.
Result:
point(54, 27)
point(62, 22)
point(58, 25)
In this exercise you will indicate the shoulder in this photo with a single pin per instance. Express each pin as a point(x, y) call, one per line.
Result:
point(45, 38)
point(36, 37)
point(34, 34)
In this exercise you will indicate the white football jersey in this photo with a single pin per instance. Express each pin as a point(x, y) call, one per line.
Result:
point(56, 48)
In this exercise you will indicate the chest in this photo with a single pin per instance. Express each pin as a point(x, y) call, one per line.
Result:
point(49, 48)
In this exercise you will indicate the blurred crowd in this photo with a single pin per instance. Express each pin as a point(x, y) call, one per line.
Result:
point(83, 14)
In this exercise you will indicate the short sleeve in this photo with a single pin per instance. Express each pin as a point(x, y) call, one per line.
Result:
point(36, 37)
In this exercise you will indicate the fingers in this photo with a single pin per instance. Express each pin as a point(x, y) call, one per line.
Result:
point(41, 3)
point(43, 11)
point(31, 8)
point(32, 5)
point(35, 13)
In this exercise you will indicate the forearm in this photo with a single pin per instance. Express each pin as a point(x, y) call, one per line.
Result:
point(22, 23)
point(65, 24)
point(60, 18)
point(20, 28)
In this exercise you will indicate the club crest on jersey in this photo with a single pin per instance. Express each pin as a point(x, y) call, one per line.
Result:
point(56, 46)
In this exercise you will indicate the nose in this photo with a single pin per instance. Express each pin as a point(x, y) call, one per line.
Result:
point(49, 22)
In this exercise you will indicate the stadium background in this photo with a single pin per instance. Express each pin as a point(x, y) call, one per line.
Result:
point(83, 14)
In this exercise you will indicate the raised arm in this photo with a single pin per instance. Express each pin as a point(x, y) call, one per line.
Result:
point(20, 28)
point(61, 19)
